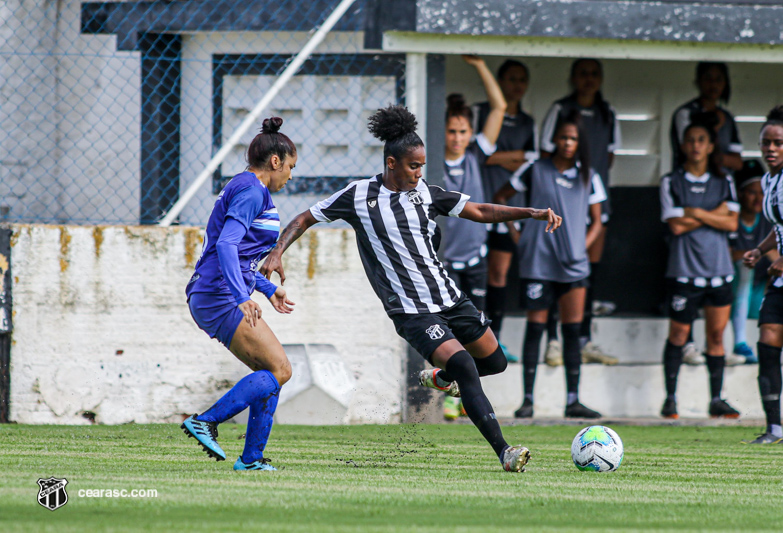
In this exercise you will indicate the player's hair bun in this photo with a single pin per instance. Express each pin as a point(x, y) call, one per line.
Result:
point(455, 102)
point(775, 114)
point(271, 125)
point(706, 119)
point(392, 122)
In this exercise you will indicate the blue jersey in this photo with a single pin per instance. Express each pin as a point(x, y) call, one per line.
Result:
point(249, 202)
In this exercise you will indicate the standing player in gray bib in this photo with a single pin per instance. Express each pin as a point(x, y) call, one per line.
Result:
point(555, 268)
point(516, 145)
point(699, 204)
point(771, 314)
point(463, 246)
point(602, 130)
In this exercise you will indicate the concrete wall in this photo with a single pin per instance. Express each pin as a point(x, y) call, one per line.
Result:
point(102, 326)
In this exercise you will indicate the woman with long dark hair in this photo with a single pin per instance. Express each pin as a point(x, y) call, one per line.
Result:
point(699, 205)
point(394, 216)
point(771, 314)
point(242, 228)
point(602, 131)
point(555, 271)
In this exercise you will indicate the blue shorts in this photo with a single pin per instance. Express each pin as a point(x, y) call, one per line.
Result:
point(217, 314)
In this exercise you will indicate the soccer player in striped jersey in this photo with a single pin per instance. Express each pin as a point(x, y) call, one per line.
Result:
point(394, 215)
point(556, 271)
point(242, 229)
point(602, 130)
point(771, 314)
point(699, 205)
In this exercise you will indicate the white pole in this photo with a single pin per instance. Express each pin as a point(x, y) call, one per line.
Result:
point(289, 71)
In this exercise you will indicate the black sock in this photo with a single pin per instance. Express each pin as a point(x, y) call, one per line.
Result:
point(475, 402)
point(587, 319)
point(770, 382)
point(496, 307)
point(494, 364)
point(715, 366)
point(551, 323)
point(530, 352)
point(672, 361)
point(572, 359)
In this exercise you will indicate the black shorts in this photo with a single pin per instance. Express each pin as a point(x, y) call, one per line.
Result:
point(471, 280)
point(541, 294)
point(772, 306)
point(685, 299)
point(501, 242)
point(426, 332)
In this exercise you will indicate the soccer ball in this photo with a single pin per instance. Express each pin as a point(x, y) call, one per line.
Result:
point(597, 449)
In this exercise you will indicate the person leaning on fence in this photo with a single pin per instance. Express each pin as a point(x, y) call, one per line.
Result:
point(463, 245)
point(602, 130)
point(555, 268)
point(771, 314)
point(749, 284)
point(394, 216)
point(699, 205)
point(516, 145)
point(242, 228)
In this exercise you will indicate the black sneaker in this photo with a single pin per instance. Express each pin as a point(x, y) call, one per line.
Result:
point(669, 409)
point(721, 409)
point(526, 411)
point(577, 410)
point(765, 438)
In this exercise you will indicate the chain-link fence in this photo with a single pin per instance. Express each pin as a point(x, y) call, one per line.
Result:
point(108, 110)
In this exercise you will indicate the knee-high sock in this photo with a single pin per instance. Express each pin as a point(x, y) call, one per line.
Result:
point(672, 361)
point(494, 364)
point(496, 307)
point(715, 366)
point(251, 389)
point(770, 382)
point(259, 426)
point(572, 359)
point(551, 323)
point(530, 351)
point(741, 305)
point(476, 404)
point(587, 319)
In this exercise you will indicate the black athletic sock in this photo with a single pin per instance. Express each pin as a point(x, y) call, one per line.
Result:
point(587, 319)
point(672, 361)
point(496, 307)
point(530, 352)
point(494, 364)
point(551, 323)
point(475, 402)
point(715, 366)
point(770, 382)
point(572, 358)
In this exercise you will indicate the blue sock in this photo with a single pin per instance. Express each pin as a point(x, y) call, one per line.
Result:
point(251, 389)
point(259, 426)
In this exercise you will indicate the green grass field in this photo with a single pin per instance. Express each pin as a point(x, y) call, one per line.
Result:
point(389, 478)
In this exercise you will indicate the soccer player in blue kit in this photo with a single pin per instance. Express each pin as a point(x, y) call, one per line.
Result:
point(242, 229)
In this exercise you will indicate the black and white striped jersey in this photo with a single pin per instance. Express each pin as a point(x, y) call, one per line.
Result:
point(772, 207)
point(394, 232)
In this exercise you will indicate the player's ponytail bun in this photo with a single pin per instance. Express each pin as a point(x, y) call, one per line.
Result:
point(396, 127)
point(271, 125)
point(774, 117)
point(457, 107)
point(268, 143)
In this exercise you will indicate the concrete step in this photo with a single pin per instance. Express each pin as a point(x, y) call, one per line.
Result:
point(631, 340)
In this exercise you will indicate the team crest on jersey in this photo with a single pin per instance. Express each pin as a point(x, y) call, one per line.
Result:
point(414, 197)
point(564, 182)
point(435, 332)
point(679, 303)
point(698, 189)
point(372, 203)
point(535, 290)
point(52, 493)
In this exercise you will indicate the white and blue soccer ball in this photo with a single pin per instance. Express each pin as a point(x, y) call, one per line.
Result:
point(597, 449)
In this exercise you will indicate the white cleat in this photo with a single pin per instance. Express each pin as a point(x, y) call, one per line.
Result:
point(427, 379)
point(592, 353)
point(691, 355)
point(733, 359)
point(554, 353)
point(515, 459)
